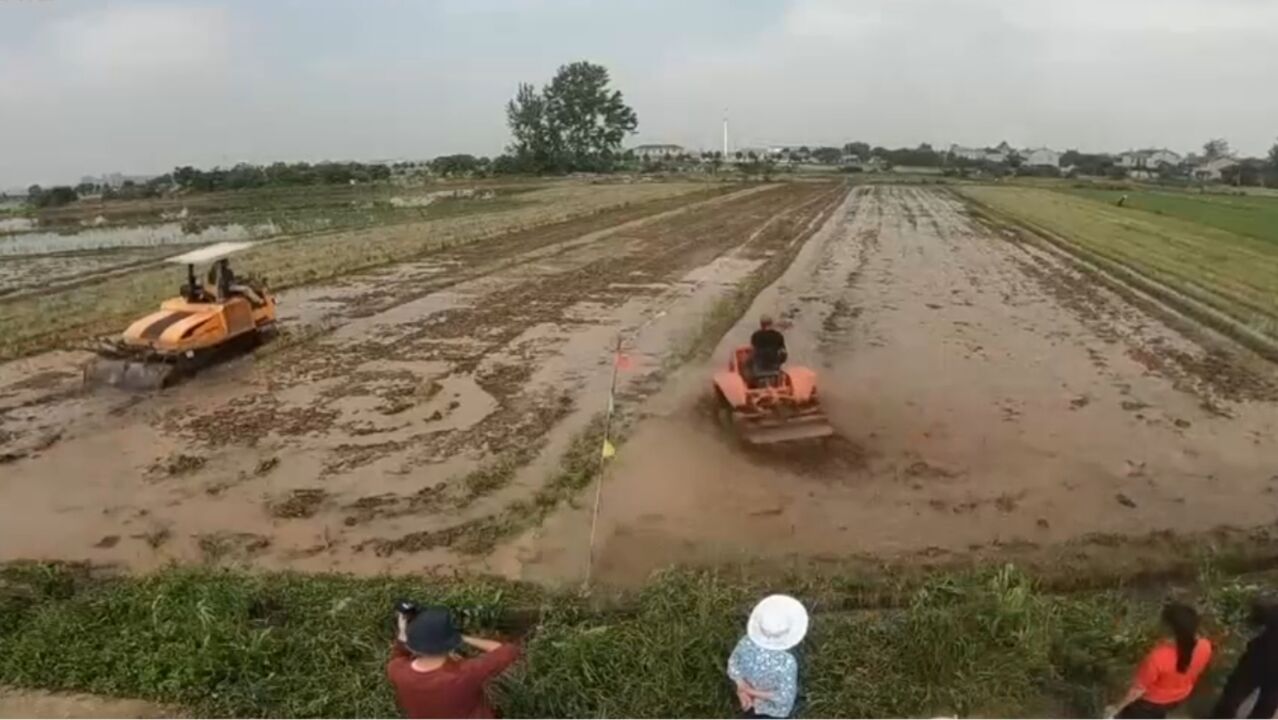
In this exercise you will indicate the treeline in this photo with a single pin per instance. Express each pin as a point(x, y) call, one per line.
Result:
point(246, 176)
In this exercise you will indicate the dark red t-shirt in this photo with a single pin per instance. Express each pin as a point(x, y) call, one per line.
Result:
point(454, 690)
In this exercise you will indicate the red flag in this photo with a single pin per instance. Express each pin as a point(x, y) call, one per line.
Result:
point(623, 361)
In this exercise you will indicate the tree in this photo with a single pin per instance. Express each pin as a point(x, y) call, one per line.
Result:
point(1248, 172)
point(53, 197)
point(592, 119)
point(1216, 148)
point(533, 144)
point(575, 123)
point(454, 165)
point(860, 149)
point(1092, 164)
point(828, 155)
point(1273, 157)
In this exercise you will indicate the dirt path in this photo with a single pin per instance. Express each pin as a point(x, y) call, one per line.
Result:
point(413, 432)
point(989, 398)
point(39, 704)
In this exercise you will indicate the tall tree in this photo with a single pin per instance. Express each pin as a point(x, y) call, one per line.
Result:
point(576, 122)
point(588, 120)
point(532, 145)
point(1273, 157)
point(1216, 148)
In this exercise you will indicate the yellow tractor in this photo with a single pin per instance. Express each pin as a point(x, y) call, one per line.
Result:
point(206, 323)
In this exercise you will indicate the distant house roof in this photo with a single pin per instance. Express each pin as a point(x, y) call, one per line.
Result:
point(1148, 152)
point(658, 147)
point(1219, 163)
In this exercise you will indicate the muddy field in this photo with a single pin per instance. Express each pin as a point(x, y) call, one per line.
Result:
point(418, 424)
point(990, 401)
point(988, 398)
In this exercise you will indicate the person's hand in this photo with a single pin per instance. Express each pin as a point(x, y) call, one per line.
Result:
point(401, 624)
point(1110, 711)
point(743, 695)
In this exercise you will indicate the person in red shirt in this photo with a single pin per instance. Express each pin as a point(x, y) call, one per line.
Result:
point(430, 681)
point(1167, 675)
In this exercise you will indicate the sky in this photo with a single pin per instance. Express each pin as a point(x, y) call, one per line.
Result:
point(140, 87)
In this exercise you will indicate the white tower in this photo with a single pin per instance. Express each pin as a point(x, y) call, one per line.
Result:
point(725, 134)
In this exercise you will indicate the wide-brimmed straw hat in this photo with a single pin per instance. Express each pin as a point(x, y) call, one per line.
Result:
point(778, 622)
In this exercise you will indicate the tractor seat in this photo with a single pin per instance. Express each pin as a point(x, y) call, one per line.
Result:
point(764, 376)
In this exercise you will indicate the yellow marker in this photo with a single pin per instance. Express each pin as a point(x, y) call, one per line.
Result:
point(608, 449)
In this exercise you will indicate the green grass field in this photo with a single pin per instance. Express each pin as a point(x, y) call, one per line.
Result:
point(224, 643)
point(1234, 273)
point(1247, 215)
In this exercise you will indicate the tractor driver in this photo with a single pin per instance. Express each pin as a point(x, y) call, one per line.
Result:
point(224, 282)
point(768, 346)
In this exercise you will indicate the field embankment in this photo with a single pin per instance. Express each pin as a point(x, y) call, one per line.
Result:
point(987, 643)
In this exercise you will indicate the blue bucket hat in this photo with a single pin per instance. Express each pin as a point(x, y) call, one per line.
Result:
point(433, 632)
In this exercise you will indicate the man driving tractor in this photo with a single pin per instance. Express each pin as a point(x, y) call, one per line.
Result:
point(768, 353)
point(224, 282)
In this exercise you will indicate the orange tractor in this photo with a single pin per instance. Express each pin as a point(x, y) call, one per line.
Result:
point(204, 324)
point(769, 407)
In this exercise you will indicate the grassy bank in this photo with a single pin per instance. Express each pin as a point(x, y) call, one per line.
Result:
point(1247, 215)
point(221, 643)
point(1234, 274)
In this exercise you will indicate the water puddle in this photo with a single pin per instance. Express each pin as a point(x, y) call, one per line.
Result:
point(170, 233)
point(18, 224)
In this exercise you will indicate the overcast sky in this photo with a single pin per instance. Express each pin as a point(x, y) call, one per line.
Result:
point(138, 87)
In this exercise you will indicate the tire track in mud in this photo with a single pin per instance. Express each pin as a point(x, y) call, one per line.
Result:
point(983, 412)
point(419, 409)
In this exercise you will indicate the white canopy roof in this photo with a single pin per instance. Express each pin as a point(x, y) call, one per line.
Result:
point(210, 253)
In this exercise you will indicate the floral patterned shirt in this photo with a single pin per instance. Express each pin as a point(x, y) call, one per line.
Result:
point(773, 671)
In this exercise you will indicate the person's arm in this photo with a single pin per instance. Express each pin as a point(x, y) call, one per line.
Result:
point(734, 665)
point(398, 648)
point(481, 644)
point(497, 657)
point(744, 690)
point(1146, 675)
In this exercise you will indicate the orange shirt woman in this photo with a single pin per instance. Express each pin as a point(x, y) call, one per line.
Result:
point(1167, 675)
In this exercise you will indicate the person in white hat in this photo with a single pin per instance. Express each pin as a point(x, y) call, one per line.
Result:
point(766, 673)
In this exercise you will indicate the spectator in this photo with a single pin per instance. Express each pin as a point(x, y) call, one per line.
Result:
point(1256, 673)
point(766, 673)
point(429, 680)
point(1167, 674)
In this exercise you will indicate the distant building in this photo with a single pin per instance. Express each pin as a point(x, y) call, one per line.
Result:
point(657, 152)
point(1150, 159)
point(1040, 157)
point(1211, 169)
point(992, 155)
